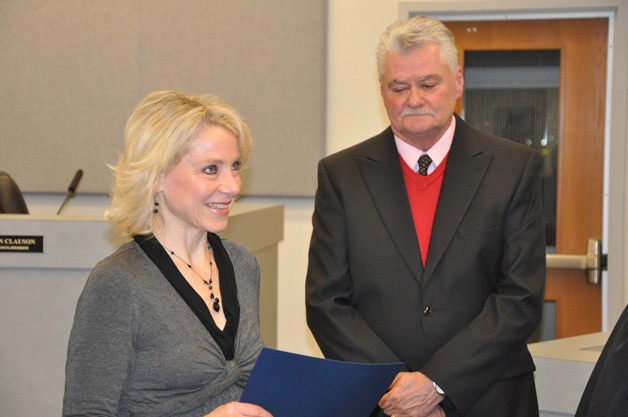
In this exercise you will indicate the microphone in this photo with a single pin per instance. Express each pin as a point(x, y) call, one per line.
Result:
point(72, 188)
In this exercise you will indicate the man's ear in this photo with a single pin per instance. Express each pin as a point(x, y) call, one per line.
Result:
point(459, 82)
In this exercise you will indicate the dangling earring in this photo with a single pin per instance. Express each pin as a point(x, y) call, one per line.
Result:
point(156, 204)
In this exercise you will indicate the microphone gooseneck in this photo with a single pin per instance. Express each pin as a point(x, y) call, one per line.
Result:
point(71, 189)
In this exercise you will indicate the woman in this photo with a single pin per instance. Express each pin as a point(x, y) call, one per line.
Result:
point(168, 324)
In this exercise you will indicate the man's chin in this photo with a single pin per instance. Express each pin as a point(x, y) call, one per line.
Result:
point(417, 128)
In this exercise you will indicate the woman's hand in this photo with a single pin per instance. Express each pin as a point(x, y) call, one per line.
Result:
point(236, 409)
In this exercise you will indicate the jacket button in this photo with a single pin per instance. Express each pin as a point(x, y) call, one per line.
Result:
point(427, 310)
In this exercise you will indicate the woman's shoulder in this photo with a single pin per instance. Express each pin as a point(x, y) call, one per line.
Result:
point(127, 261)
point(232, 246)
point(127, 253)
point(114, 279)
point(237, 252)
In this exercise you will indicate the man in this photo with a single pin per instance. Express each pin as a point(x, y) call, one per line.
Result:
point(443, 269)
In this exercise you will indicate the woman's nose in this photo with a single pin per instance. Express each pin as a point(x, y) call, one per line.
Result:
point(231, 183)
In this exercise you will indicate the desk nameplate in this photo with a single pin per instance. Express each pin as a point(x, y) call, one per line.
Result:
point(23, 244)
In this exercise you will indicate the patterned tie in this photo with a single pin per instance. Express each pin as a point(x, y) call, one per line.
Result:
point(424, 163)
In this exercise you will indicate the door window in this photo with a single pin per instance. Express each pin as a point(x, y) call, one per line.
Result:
point(515, 95)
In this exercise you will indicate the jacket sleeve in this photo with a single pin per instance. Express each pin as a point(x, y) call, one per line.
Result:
point(338, 328)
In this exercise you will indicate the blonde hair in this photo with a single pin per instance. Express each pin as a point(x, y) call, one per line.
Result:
point(157, 135)
point(405, 36)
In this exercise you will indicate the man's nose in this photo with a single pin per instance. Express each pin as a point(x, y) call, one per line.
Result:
point(416, 97)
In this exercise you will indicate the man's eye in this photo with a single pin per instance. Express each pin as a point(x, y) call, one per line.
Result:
point(236, 166)
point(212, 169)
point(399, 89)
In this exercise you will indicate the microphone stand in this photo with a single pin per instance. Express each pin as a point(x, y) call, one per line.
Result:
point(68, 196)
point(71, 189)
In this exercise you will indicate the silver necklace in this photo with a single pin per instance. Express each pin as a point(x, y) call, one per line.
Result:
point(209, 283)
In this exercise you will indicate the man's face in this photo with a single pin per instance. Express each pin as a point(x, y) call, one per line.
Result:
point(420, 93)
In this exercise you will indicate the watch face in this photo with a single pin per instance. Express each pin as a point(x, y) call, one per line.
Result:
point(438, 389)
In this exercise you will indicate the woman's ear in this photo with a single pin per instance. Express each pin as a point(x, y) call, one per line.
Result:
point(159, 186)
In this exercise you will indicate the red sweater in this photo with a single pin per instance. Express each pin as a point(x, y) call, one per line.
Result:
point(423, 192)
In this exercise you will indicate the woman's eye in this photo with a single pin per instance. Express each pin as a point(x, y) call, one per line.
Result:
point(212, 169)
point(236, 166)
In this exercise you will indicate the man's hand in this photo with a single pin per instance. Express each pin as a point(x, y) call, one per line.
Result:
point(411, 394)
point(438, 412)
point(237, 409)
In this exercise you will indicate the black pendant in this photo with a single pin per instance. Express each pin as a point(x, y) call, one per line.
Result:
point(216, 305)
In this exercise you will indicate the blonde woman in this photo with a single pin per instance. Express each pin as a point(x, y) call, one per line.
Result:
point(168, 324)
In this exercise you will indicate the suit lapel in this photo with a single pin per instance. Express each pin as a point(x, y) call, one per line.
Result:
point(381, 171)
point(466, 166)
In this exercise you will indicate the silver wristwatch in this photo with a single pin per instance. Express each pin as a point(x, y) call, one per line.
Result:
point(438, 389)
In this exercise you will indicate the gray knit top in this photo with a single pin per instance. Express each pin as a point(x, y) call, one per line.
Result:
point(137, 349)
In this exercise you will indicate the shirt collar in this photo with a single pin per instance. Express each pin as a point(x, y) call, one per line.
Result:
point(438, 152)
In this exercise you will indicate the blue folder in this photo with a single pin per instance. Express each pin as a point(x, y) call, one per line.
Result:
point(292, 385)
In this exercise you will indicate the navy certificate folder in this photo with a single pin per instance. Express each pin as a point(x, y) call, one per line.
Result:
point(291, 385)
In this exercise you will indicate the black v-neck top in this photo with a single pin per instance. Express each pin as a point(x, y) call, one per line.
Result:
point(228, 289)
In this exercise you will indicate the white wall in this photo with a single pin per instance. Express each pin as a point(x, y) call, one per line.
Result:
point(354, 112)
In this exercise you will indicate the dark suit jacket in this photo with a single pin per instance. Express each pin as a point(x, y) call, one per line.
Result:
point(606, 393)
point(465, 318)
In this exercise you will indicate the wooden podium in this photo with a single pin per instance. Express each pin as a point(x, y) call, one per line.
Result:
point(39, 291)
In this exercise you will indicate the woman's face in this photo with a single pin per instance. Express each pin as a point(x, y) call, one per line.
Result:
point(198, 192)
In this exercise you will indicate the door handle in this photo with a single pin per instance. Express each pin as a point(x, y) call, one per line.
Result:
point(591, 262)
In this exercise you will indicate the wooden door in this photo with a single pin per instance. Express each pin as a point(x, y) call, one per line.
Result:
point(579, 157)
